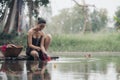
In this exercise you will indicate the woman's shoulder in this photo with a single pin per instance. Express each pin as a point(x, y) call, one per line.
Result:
point(42, 33)
point(30, 31)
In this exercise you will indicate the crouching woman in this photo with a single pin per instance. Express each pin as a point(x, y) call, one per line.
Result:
point(38, 42)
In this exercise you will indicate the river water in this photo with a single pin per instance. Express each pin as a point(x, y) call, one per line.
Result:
point(65, 68)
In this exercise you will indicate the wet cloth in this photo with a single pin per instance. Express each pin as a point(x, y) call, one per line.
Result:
point(3, 48)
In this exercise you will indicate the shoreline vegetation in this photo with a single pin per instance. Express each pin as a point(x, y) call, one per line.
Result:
point(99, 42)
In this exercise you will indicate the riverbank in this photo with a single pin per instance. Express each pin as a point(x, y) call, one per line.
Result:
point(78, 54)
point(83, 54)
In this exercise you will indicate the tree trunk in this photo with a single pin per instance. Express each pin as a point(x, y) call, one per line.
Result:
point(13, 24)
point(7, 25)
point(30, 8)
point(13, 20)
point(3, 21)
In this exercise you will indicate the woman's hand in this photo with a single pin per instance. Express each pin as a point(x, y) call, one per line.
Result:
point(38, 48)
point(44, 51)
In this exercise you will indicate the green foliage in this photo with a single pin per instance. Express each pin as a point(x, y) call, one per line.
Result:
point(117, 18)
point(37, 4)
point(86, 43)
point(8, 38)
point(43, 2)
point(71, 20)
point(12, 39)
point(99, 20)
point(4, 38)
point(20, 40)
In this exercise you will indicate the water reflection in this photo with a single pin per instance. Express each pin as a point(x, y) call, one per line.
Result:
point(86, 69)
point(24, 70)
point(11, 70)
point(62, 69)
point(37, 70)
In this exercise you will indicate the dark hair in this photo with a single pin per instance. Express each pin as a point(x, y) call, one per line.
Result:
point(41, 20)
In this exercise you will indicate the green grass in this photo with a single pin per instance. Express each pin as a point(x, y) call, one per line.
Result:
point(86, 43)
point(98, 42)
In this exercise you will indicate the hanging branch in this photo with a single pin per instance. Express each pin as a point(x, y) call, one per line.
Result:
point(85, 10)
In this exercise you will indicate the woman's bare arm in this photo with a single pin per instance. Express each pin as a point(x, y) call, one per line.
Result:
point(42, 43)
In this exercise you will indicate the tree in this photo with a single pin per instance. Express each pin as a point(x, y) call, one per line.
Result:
point(14, 15)
point(68, 21)
point(71, 20)
point(4, 4)
point(99, 20)
point(117, 18)
point(33, 8)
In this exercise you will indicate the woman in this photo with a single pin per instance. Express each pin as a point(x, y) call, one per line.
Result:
point(38, 41)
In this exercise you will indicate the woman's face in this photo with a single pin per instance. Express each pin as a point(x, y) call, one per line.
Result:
point(41, 26)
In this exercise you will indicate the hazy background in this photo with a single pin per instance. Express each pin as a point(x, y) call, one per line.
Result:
point(110, 5)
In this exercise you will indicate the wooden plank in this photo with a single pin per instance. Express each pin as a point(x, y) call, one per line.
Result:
point(22, 58)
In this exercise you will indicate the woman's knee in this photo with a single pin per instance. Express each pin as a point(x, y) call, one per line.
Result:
point(47, 41)
point(48, 38)
point(34, 53)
